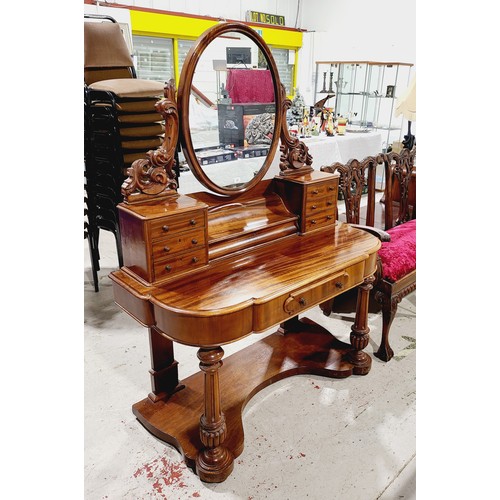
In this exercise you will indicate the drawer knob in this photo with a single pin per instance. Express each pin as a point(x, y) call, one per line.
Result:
point(329, 217)
point(168, 268)
point(167, 249)
point(313, 221)
point(329, 203)
point(302, 301)
point(315, 191)
point(314, 207)
point(194, 260)
point(331, 188)
point(192, 222)
point(165, 228)
point(194, 241)
point(339, 284)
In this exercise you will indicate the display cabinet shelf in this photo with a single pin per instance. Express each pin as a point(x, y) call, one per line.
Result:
point(366, 93)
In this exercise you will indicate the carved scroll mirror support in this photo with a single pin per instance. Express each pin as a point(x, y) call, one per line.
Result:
point(154, 176)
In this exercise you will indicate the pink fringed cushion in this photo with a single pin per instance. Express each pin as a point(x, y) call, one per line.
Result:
point(399, 256)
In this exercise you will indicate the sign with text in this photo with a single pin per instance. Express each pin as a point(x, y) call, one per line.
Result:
point(262, 17)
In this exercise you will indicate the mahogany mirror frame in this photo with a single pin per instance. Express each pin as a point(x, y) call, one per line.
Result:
point(184, 92)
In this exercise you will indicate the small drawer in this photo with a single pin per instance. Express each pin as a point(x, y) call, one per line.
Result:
point(178, 242)
point(315, 221)
point(318, 190)
point(179, 262)
point(168, 225)
point(320, 205)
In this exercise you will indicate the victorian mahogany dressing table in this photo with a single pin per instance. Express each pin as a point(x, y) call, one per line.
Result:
point(208, 269)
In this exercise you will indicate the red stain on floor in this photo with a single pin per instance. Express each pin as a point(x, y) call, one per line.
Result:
point(163, 473)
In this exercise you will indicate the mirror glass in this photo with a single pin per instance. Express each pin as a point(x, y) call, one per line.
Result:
point(232, 110)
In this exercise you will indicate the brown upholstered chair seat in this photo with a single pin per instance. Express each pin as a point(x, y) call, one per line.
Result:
point(136, 105)
point(139, 118)
point(129, 158)
point(130, 87)
point(144, 144)
point(142, 131)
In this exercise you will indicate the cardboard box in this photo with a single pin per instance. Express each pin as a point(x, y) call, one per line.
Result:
point(234, 119)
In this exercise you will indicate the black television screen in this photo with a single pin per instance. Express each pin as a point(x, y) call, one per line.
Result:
point(238, 55)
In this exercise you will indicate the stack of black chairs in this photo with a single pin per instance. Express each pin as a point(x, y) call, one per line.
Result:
point(121, 125)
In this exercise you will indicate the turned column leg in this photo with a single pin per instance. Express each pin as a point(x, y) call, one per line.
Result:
point(215, 462)
point(164, 372)
point(359, 331)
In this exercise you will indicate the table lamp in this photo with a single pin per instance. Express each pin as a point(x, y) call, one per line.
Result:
point(407, 106)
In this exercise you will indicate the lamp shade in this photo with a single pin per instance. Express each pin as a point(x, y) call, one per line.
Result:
point(407, 103)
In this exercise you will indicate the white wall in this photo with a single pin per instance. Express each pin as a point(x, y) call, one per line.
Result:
point(366, 30)
point(382, 30)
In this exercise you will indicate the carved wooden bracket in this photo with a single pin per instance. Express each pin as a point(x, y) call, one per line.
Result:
point(295, 157)
point(154, 176)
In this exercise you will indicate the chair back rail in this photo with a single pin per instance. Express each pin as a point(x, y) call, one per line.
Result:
point(358, 177)
point(400, 190)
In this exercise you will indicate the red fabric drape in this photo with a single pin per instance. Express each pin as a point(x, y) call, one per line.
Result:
point(250, 85)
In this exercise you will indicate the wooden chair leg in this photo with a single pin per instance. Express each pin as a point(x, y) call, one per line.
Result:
point(389, 308)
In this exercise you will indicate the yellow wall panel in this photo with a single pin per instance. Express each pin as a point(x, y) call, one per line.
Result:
point(172, 26)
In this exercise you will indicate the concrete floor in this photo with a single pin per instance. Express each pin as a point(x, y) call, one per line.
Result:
point(305, 436)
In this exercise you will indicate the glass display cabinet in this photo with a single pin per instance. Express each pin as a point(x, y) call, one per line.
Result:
point(365, 94)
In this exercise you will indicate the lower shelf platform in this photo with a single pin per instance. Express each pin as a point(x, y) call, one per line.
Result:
point(310, 350)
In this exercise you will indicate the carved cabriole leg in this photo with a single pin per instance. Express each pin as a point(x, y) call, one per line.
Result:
point(389, 307)
point(164, 372)
point(215, 462)
point(359, 331)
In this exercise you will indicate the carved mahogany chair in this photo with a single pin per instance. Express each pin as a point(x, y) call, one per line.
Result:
point(396, 267)
point(121, 123)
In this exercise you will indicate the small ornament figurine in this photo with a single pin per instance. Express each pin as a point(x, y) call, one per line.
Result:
point(330, 129)
point(341, 125)
point(305, 122)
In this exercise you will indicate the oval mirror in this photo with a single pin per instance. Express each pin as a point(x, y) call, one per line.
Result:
point(229, 100)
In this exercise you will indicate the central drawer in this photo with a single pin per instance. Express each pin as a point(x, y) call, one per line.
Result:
point(283, 307)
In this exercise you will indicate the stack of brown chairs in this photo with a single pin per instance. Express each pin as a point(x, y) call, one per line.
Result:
point(121, 124)
point(396, 267)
